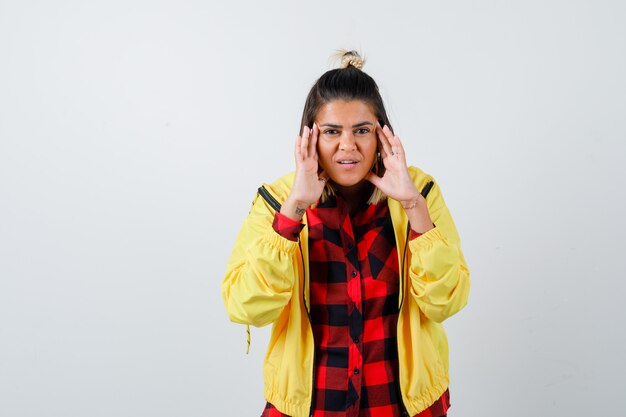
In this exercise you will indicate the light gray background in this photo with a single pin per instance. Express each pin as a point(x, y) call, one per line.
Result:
point(133, 136)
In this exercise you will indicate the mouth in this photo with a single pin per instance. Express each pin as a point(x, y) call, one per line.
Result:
point(347, 165)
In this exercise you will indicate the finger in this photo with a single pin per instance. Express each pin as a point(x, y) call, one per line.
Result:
point(392, 139)
point(386, 147)
point(384, 142)
point(387, 132)
point(297, 149)
point(394, 142)
point(397, 147)
point(305, 142)
point(313, 144)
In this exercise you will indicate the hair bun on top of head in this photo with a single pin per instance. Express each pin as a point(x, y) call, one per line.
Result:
point(349, 59)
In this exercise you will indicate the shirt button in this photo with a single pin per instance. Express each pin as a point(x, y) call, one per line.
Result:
point(353, 274)
point(355, 340)
point(356, 372)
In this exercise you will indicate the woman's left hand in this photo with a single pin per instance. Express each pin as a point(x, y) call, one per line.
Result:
point(395, 182)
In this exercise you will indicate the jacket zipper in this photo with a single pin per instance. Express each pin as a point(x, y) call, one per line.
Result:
point(406, 244)
point(308, 313)
point(424, 193)
point(403, 411)
point(269, 198)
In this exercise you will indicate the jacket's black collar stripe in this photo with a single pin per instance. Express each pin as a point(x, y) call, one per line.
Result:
point(427, 188)
point(269, 198)
point(276, 205)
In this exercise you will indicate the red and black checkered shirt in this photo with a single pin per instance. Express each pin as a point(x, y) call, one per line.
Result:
point(354, 282)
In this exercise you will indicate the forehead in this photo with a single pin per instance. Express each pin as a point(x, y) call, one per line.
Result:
point(345, 112)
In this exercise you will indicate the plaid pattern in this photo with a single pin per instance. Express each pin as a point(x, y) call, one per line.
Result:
point(288, 228)
point(354, 283)
point(438, 409)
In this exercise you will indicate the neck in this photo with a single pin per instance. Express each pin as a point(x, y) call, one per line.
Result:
point(355, 194)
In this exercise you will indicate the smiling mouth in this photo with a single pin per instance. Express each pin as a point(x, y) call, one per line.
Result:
point(347, 162)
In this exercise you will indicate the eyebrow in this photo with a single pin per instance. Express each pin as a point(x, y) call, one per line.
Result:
point(365, 123)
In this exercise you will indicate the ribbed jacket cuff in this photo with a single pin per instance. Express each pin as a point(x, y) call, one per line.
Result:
point(427, 239)
point(281, 243)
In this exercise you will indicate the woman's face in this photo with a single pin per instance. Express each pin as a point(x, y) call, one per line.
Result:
point(347, 142)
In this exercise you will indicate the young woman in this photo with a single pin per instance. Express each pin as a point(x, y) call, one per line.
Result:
point(355, 261)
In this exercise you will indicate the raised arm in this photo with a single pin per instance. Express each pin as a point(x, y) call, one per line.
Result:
point(264, 264)
point(440, 278)
point(261, 271)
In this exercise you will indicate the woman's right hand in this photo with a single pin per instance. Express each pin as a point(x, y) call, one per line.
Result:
point(308, 184)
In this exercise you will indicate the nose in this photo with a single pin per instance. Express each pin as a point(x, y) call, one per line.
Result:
point(347, 142)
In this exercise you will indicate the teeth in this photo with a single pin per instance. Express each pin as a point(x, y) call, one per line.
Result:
point(347, 162)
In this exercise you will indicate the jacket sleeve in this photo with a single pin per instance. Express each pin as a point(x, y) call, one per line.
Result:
point(440, 279)
point(261, 271)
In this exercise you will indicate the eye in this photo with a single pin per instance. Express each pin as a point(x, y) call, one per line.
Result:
point(330, 132)
point(362, 131)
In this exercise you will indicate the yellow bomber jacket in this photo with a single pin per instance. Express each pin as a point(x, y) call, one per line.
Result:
point(266, 282)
